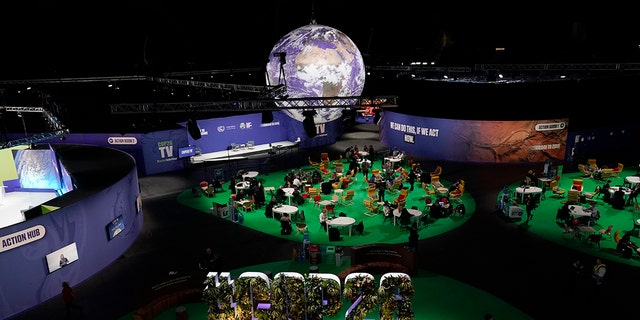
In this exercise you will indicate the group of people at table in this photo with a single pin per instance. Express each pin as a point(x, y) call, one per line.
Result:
point(286, 199)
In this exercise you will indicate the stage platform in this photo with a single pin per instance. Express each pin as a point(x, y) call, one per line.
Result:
point(244, 152)
point(14, 204)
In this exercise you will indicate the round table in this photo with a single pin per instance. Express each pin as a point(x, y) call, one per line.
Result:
point(341, 222)
point(250, 174)
point(414, 214)
point(288, 192)
point(527, 190)
point(285, 208)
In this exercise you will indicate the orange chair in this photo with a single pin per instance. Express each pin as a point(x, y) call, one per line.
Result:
point(607, 231)
point(437, 171)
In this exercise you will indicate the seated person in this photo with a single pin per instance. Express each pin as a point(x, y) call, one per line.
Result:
point(625, 245)
point(563, 213)
point(285, 224)
point(323, 219)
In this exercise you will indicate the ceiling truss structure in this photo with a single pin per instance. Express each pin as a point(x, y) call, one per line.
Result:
point(58, 129)
point(256, 105)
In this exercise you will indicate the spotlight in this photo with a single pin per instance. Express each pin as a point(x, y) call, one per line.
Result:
point(308, 123)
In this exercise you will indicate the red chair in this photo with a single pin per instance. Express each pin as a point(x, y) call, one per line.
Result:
point(331, 209)
point(316, 200)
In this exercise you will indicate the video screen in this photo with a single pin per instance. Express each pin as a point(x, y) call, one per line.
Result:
point(62, 257)
point(37, 169)
point(115, 227)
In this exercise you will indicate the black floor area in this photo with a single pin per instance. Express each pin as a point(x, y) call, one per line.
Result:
point(488, 252)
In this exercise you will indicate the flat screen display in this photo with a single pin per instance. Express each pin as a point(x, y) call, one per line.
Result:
point(62, 257)
point(186, 152)
point(115, 227)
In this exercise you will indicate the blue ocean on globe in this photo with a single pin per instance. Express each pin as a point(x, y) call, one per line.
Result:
point(317, 61)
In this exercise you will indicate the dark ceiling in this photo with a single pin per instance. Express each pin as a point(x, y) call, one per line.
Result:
point(151, 38)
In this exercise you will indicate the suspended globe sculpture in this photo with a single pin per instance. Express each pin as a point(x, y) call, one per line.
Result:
point(316, 61)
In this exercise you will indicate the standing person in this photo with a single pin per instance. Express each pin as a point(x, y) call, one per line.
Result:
point(372, 153)
point(576, 271)
point(209, 260)
point(412, 178)
point(530, 204)
point(323, 219)
point(365, 170)
point(606, 195)
point(382, 187)
point(599, 270)
point(69, 299)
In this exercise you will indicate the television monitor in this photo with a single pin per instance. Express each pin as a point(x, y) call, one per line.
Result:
point(62, 257)
point(186, 151)
point(115, 226)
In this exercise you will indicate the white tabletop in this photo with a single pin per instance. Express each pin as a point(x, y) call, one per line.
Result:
point(413, 212)
point(633, 179)
point(626, 191)
point(288, 191)
point(579, 211)
point(285, 208)
point(392, 159)
point(250, 174)
point(363, 153)
point(341, 221)
point(243, 185)
point(528, 190)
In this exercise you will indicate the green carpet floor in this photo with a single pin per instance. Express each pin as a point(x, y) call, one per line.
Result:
point(376, 230)
point(435, 296)
point(544, 221)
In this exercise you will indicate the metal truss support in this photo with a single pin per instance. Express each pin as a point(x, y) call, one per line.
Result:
point(257, 105)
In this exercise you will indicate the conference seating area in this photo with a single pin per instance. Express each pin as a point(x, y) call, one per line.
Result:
point(351, 196)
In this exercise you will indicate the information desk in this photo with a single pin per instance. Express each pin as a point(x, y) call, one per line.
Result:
point(341, 222)
point(241, 153)
point(522, 191)
point(414, 214)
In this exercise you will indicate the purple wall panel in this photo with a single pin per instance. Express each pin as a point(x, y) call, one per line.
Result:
point(84, 222)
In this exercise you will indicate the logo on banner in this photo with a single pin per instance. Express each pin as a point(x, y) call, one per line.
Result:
point(20, 238)
point(220, 129)
point(550, 126)
point(246, 125)
point(166, 151)
point(122, 140)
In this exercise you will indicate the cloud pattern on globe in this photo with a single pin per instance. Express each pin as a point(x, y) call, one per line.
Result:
point(320, 61)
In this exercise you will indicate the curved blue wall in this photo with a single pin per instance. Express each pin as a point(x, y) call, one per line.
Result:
point(26, 282)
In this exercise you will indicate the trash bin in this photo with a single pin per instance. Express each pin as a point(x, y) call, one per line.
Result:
point(181, 313)
point(338, 257)
point(314, 254)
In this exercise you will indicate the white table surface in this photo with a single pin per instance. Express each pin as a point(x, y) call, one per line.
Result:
point(414, 213)
point(579, 211)
point(528, 190)
point(250, 174)
point(288, 192)
point(632, 179)
point(285, 208)
point(341, 222)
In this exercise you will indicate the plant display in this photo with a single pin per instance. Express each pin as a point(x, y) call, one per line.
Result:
point(288, 298)
point(319, 290)
point(219, 298)
point(361, 287)
point(247, 290)
point(395, 293)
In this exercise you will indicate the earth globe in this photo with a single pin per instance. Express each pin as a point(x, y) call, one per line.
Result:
point(316, 61)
